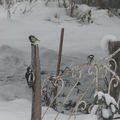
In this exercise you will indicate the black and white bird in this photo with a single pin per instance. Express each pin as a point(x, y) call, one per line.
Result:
point(90, 59)
point(29, 76)
point(33, 39)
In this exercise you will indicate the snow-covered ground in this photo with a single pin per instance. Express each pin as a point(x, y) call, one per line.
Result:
point(40, 22)
point(79, 41)
point(20, 109)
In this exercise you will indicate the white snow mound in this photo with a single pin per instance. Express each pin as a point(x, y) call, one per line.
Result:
point(106, 39)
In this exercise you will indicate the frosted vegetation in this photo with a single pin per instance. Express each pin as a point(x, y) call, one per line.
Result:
point(105, 106)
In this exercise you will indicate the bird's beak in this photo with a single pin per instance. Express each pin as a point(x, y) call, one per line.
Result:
point(38, 40)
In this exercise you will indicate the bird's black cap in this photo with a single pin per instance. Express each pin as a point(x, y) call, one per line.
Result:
point(30, 37)
point(91, 56)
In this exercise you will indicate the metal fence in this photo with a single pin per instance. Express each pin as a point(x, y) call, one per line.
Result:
point(72, 97)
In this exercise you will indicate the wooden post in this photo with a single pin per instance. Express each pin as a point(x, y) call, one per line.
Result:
point(60, 52)
point(72, 5)
point(36, 99)
point(112, 47)
point(58, 63)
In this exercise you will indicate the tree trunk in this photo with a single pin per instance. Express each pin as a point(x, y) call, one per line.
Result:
point(72, 6)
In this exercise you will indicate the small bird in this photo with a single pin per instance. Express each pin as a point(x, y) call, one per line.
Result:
point(29, 76)
point(90, 59)
point(33, 39)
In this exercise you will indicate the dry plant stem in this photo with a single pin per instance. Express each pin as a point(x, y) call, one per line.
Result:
point(80, 98)
point(68, 96)
point(54, 98)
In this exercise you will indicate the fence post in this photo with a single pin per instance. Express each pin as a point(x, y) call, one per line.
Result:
point(60, 52)
point(58, 64)
point(112, 47)
point(36, 94)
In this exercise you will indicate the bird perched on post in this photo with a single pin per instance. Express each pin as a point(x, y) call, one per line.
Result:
point(33, 39)
point(90, 59)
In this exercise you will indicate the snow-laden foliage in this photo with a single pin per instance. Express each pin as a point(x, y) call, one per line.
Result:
point(82, 13)
point(113, 12)
point(59, 3)
point(105, 106)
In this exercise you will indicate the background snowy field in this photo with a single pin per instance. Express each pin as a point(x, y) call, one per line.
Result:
point(79, 41)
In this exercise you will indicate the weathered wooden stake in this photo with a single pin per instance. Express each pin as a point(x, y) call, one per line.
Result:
point(59, 62)
point(36, 99)
point(112, 47)
point(60, 51)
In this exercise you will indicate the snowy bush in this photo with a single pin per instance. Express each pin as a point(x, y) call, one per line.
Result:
point(65, 3)
point(85, 17)
point(83, 13)
point(105, 106)
point(113, 11)
point(59, 3)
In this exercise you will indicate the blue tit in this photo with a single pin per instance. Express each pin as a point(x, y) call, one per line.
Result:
point(90, 59)
point(33, 39)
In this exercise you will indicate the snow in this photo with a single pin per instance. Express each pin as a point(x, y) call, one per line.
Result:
point(94, 109)
point(79, 41)
point(84, 8)
point(3, 13)
point(80, 10)
point(105, 105)
point(106, 39)
point(100, 94)
point(15, 110)
point(107, 97)
point(113, 108)
point(20, 109)
point(106, 113)
point(35, 23)
point(110, 99)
